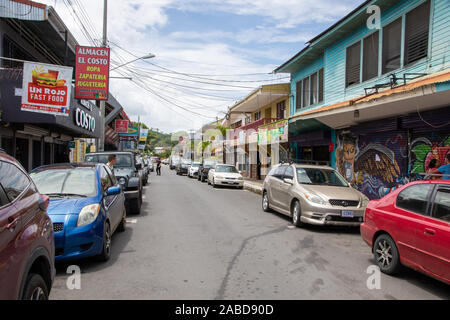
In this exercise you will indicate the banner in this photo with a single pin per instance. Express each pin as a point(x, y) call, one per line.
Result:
point(143, 135)
point(46, 88)
point(92, 73)
point(130, 135)
point(121, 126)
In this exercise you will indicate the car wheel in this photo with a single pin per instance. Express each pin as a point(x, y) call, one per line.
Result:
point(265, 202)
point(296, 214)
point(35, 288)
point(106, 251)
point(386, 254)
point(123, 222)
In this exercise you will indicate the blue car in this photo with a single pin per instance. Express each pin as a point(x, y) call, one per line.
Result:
point(87, 206)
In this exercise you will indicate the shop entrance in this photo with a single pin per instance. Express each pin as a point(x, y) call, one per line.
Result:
point(22, 152)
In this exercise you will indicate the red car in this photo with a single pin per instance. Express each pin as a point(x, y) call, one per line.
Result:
point(27, 250)
point(411, 227)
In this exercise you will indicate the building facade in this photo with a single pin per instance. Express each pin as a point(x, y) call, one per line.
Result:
point(372, 100)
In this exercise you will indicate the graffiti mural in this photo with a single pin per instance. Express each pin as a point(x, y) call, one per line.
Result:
point(376, 164)
point(428, 152)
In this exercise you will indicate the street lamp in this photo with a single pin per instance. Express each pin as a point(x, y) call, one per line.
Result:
point(102, 102)
point(148, 56)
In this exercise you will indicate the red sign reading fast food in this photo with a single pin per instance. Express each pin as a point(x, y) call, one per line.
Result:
point(92, 73)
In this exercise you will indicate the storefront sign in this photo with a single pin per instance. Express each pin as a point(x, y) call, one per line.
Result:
point(130, 135)
point(121, 126)
point(92, 73)
point(84, 120)
point(274, 132)
point(46, 88)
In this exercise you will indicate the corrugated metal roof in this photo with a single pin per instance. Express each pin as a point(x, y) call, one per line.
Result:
point(23, 10)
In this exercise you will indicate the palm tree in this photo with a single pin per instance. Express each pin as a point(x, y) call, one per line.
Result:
point(223, 132)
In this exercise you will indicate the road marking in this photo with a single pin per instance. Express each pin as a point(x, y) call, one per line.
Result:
point(131, 220)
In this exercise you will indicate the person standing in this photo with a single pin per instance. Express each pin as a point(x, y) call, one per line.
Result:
point(158, 167)
point(112, 160)
point(445, 169)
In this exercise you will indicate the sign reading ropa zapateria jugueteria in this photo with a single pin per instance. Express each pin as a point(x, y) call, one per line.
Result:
point(92, 73)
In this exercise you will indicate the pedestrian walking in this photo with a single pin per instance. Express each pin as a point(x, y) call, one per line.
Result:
point(158, 167)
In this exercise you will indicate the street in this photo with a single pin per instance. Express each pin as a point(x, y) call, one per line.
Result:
point(192, 241)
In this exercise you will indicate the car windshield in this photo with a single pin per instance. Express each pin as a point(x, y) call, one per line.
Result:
point(230, 169)
point(77, 182)
point(316, 176)
point(196, 165)
point(209, 164)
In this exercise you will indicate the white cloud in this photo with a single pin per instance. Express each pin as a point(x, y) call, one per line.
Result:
point(138, 26)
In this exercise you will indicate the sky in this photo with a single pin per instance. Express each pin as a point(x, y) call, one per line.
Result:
point(209, 54)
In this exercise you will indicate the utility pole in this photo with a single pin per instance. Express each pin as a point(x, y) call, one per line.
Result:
point(103, 102)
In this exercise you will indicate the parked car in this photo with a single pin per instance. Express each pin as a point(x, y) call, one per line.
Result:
point(310, 194)
point(27, 246)
point(204, 168)
point(193, 170)
point(173, 162)
point(411, 227)
point(87, 206)
point(128, 172)
point(182, 166)
point(145, 171)
point(225, 175)
point(151, 166)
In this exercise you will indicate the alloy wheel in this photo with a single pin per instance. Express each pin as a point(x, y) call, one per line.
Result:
point(38, 294)
point(384, 254)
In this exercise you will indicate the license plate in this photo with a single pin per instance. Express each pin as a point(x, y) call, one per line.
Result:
point(347, 214)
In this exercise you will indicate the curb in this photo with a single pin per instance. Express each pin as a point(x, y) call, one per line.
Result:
point(253, 188)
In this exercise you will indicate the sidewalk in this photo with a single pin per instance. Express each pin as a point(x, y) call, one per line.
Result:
point(253, 186)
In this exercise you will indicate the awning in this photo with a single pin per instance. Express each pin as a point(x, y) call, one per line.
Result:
point(261, 97)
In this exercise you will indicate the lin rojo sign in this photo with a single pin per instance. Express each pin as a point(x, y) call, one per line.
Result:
point(92, 73)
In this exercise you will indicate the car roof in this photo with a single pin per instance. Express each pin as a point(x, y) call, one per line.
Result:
point(68, 165)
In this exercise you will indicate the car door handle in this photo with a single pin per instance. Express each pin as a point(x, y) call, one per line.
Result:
point(430, 232)
point(12, 223)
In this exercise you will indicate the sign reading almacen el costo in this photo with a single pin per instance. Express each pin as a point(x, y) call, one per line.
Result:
point(92, 73)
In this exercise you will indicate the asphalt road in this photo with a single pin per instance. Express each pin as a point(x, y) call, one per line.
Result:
point(195, 242)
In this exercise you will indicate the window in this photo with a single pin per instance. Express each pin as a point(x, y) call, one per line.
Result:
point(106, 180)
point(13, 180)
point(313, 99)
point(353, 62)
point(416, 33)
point(257, 115)
point(414, 198)
point(441, 209)
point(370, 57)
point(281, 108)
point(321, 85)
point(392, 35)
point(289, 174)
point(298, 94)
point(305, 92)
point(279, 172)
point(248, 120)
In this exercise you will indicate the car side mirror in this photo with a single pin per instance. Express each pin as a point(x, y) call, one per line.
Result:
point(112, 191)
point(288, 181)
point(43, 202)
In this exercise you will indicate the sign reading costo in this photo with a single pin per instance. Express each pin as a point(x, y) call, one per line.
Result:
point(84, 120)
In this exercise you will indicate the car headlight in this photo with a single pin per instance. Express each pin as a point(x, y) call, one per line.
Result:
point(122, 181)
point(315, 199)
point(88, 214)
point(241, 178)
point(365, 202)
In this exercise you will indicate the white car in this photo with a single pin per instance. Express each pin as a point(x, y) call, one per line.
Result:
point(193, 170)
point(225, 175)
